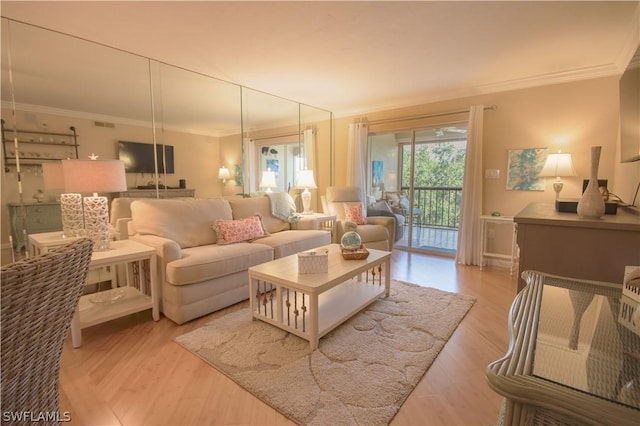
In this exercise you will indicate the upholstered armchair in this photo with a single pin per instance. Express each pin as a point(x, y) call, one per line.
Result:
point(377, 233)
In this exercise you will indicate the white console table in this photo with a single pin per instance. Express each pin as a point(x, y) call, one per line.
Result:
point(485, 253)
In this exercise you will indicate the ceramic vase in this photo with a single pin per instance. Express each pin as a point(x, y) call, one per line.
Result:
point(591, 204)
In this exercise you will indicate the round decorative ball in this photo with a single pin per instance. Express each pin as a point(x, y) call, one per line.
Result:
point(351, 240)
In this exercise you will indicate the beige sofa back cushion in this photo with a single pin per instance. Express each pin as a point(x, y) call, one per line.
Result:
point(245, 207)
point(186, 221)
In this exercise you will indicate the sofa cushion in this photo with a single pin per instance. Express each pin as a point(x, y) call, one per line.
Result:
point(238, 230)
point(285, 243)
point(208, 262)
point(186, 221)
point(245, 207)
point(353, 213)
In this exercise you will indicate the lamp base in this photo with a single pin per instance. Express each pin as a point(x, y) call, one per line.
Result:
point(72, 220)
point(96, 222)
point(306, 201)
point(557, 187)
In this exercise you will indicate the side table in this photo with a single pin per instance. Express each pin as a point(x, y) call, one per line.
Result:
point(46, 241)
point(118, 301)
point(131, 300)
point(573, 356)
point(321, 221)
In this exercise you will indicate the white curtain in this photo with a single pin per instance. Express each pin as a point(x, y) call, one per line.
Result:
point(357, 154)
point(309, 142)
point(468, 252)
point(250, 166)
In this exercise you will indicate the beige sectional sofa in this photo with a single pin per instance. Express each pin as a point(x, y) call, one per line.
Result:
point(198, 275)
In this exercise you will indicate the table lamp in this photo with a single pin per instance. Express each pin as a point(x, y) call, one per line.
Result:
point(70, 203)
point(268, 180)
point(95, 176)
point(558, 165)
point(306, 181)
point(223, 173)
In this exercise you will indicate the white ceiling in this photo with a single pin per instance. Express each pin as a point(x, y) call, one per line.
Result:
point(357, 57)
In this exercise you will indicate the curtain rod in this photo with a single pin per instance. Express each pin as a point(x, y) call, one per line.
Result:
point(418, 117)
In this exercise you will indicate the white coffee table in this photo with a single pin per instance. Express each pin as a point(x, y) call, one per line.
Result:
point(311, 305)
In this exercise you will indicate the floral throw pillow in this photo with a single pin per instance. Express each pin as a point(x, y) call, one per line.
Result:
point(235, 231)
point(353, 213)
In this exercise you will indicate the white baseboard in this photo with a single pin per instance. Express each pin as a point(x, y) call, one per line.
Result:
point(502, 263)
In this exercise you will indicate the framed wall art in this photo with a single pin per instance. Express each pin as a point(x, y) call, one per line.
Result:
point(523, 169)
point(376, 173)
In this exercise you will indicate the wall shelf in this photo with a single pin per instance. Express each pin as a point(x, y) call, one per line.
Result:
point(33, 153)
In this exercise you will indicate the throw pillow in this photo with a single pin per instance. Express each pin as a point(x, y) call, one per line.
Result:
point(235, 231)
point(353, 213)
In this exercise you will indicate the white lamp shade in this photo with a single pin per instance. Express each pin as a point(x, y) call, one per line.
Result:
point(306, 180)
point(94, 176)
point(558, 165)
point(223, 173)
point(52, 174)
point(268, 180)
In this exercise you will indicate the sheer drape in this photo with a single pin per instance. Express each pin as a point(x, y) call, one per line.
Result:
point(357, 154)
point(468, 252)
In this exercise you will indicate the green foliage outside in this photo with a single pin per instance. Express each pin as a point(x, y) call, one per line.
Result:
point(437, 165)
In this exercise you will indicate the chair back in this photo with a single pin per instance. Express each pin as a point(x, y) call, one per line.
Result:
point(337, 196)
point(39, 296)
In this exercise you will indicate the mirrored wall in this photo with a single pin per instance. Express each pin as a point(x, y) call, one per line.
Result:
point(64, 97)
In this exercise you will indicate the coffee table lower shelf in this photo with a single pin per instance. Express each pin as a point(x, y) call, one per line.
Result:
point(335, 306)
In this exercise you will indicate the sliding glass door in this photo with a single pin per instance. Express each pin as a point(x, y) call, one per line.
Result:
point(424, 184)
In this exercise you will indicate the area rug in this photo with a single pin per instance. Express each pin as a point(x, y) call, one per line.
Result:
point(361, 372)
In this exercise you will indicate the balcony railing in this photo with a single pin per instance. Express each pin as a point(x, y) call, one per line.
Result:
point(436, 207)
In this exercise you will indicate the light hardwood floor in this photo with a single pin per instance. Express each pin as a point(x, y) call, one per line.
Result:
point(130, 372)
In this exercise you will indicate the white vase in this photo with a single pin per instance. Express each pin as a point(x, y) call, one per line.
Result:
point(591, 204)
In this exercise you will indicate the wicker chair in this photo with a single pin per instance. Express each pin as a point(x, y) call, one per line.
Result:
point(39, 297)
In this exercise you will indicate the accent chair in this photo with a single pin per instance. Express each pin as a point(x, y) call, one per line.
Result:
point(377, 233)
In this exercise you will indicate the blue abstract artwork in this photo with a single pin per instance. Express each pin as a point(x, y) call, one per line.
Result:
point(524, 168)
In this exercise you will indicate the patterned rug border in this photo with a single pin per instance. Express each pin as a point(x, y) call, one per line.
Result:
point(260, 357)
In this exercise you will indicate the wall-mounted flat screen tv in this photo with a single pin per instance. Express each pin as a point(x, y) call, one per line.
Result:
point(139, 157)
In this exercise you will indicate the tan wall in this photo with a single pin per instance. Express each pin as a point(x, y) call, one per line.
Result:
point(571, 116)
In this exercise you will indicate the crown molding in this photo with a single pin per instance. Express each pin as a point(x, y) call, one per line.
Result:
point(587, 73)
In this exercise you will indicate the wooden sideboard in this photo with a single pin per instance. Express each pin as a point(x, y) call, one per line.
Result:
point(567, 245)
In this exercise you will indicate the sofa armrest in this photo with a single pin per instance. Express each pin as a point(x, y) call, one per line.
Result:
point(167, 250)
